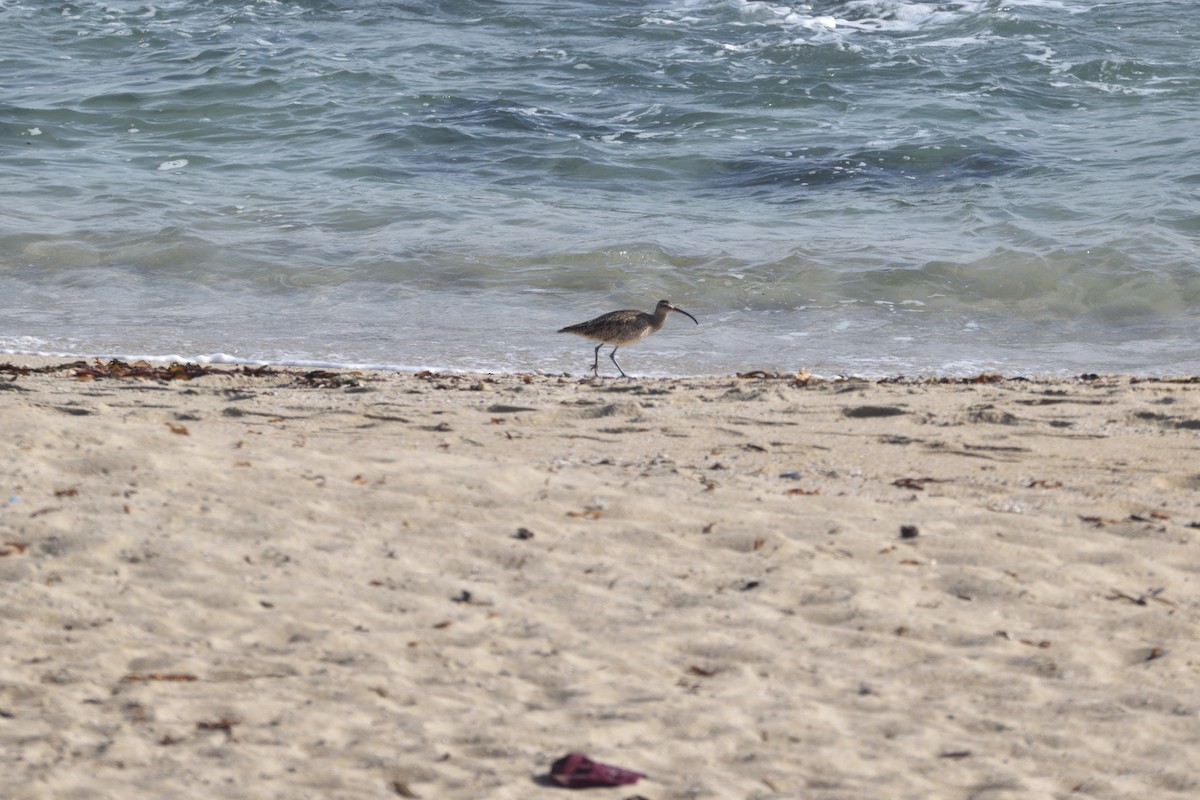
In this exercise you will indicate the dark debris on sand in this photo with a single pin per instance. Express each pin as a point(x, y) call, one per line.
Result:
point(144, 370)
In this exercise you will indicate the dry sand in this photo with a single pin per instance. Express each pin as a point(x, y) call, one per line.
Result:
point(380, 585)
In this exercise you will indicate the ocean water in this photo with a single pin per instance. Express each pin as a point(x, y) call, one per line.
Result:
point(869, 187)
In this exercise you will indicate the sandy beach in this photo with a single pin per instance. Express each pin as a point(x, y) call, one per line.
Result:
point(276, 583)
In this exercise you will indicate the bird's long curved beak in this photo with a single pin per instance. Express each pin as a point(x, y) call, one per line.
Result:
point(686, 314)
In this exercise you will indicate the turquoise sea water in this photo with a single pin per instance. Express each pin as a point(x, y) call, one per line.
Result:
point(868, 187)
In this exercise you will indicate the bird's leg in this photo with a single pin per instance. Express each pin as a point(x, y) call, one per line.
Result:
point(596, 361)
point(613, 356)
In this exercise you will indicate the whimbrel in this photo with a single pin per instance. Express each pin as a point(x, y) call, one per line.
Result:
point(620, 328)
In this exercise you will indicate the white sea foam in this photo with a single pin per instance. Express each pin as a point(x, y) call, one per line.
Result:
point(864, 15)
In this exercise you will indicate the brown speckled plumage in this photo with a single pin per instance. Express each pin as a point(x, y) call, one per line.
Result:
point(621, 328)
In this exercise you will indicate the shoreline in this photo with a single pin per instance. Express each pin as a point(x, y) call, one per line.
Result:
point(43, 363)
point(366, 584)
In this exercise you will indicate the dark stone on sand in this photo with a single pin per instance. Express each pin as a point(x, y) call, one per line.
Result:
point(863, 412)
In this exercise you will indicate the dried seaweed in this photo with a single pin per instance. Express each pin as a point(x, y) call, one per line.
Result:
point(116, 369)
